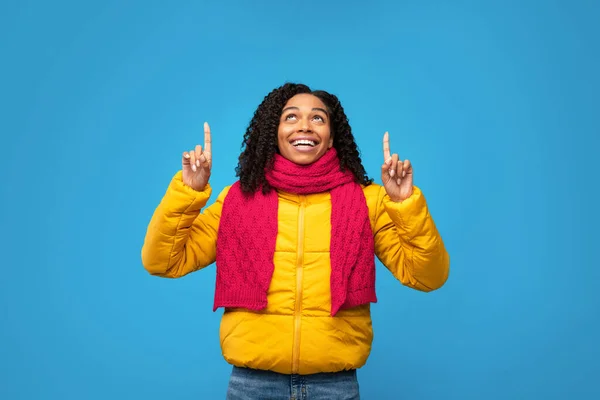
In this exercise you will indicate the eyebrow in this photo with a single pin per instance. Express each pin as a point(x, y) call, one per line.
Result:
point(314, 109)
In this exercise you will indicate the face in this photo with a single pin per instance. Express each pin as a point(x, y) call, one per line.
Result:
point(304, 131)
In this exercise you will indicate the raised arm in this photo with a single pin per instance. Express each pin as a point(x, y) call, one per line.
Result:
point(180, 238)
point(407, 241)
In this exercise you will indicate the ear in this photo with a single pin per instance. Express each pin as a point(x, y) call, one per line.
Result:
point(330, 142)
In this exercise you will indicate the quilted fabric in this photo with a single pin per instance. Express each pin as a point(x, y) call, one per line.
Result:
point(295, 332)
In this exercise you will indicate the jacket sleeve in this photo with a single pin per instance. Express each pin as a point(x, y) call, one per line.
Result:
point(180, 238)
point(408, 243)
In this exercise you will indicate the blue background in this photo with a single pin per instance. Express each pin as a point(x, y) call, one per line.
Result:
point(495, 103)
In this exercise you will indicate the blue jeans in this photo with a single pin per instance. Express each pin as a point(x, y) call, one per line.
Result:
point(250, 384)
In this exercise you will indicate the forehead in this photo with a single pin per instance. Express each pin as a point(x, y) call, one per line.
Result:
point(305, 100)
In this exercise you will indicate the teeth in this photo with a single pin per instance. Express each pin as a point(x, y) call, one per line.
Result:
point(303, 142)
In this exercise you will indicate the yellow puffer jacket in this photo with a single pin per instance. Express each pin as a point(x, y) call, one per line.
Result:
point(295, 333)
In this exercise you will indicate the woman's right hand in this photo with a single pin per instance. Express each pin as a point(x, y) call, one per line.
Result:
point(196, 164)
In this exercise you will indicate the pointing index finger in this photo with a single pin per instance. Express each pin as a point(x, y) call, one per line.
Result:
point(207, 139)
point(386, 146)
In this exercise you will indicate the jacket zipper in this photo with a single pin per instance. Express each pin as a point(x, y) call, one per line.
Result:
point(299, 272)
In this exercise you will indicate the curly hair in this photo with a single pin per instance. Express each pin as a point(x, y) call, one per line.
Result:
point(260, 140)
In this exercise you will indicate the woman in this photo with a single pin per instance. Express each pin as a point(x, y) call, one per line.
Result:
point(295, 240)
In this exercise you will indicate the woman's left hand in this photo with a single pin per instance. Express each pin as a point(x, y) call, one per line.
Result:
point(396, 175)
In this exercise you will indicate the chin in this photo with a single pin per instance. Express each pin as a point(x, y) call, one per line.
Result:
point(304, 159)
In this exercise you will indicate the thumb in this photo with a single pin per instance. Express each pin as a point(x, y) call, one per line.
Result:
point(186, 160)
point(385, 172)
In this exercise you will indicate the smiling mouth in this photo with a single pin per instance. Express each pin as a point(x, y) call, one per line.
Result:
point(304, 143)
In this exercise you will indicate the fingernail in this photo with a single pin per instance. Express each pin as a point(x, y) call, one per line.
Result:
point(197, 163)
point(187, 156)
point(194, 167)
point(389, 160)
point(392, 172)
point(403, 174)
point(398, 181)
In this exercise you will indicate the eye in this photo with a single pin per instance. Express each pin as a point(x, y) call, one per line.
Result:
point(290, 116)
point(319, 118)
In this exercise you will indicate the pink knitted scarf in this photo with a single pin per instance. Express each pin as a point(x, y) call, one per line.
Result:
point(248, 232)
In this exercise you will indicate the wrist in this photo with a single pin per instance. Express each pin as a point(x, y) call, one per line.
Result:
point(196, 188)
point(400, 198)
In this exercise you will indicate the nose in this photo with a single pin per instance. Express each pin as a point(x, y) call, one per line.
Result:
point(304, 126)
